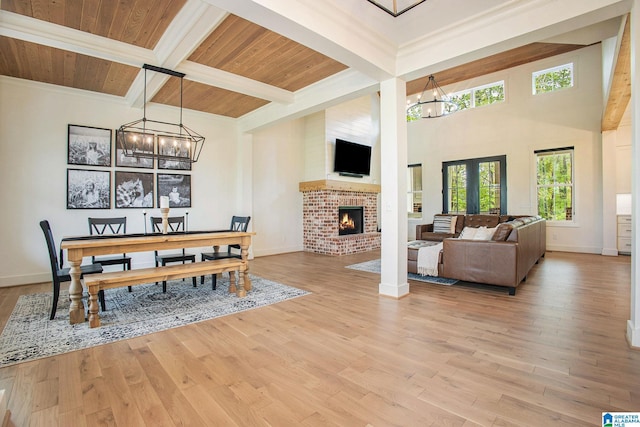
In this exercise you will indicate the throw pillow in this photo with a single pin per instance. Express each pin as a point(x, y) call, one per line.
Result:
point(468, 233)
point(484, 233)
point(502, 233)
point(454, 221)
point(442, 224)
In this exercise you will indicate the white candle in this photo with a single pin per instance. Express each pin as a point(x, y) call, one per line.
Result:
point(164, 201)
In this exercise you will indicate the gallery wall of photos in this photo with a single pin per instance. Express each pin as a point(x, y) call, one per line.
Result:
point(98, 165)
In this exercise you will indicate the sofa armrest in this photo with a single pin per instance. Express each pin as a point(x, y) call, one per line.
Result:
point(423, 228)
point(481, 261)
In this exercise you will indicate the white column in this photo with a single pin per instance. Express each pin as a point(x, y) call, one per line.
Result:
point(393, 132)
point(244, 176)
point(633, 324)
point(609, 219)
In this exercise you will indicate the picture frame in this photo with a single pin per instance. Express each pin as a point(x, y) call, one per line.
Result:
point(135, 162)
point(177, 147)
point(133, 189)
point(88, 146)
point(88, 189)
point(177, 187)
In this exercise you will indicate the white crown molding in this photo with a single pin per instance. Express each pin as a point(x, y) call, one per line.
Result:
point(62, 90)
point(233, 82)
point(45, 33)
point(341, 87)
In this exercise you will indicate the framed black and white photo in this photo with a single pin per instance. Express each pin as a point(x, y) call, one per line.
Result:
point(134, 189)
point(143, 142)
point(176, 147)
point(177, 188)
point(88, 146)
point(88, 189)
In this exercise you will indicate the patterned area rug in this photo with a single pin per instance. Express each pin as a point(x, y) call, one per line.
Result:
point(374, 267)
point(30, 335)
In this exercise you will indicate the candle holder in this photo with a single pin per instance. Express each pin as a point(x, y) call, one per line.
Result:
point(165, 219)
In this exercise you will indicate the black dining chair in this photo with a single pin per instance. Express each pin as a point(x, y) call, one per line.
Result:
point(60, 274)
point(176, 224)
point(102, 226)
point(238, 223)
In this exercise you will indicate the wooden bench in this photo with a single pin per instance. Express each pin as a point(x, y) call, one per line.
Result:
point(118, 279)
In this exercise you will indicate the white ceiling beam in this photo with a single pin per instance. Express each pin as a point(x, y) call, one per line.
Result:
point(32, 30)
point(191, 26)
point(324, 29)
point(341, 87)
point(233, 82)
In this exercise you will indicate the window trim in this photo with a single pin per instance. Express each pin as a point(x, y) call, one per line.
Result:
point(548, 151)
point(534, 74)
point(472, 92)
point(411, 191)
point(473, 200)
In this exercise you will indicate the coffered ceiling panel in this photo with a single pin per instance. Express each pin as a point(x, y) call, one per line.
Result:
point(45, 64)
point(249, 50)
point(200, 97)
point(137, 22)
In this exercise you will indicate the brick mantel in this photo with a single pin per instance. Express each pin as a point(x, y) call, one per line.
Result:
point(321, 200)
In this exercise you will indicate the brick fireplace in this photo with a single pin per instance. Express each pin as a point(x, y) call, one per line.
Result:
point(321, 223)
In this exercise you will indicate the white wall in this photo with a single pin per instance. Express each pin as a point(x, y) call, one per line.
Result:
point(278, 168)
point(517, 127)
point(33, 165)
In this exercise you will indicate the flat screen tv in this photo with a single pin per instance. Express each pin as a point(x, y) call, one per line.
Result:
point(352, 159)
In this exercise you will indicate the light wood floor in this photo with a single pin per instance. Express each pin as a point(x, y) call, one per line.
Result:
point(555, 354)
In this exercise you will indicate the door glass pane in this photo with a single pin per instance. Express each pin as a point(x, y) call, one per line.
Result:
point(457, 188)
point(489, 183)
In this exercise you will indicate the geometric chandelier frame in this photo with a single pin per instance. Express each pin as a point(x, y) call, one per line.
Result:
point(174, 141)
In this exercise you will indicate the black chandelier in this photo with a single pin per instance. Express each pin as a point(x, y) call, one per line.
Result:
point(175, 141)
point(432, 102)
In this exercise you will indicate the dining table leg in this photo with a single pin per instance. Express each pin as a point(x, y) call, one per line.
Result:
point(76, 308)
point(244, 252)
point(94, 317)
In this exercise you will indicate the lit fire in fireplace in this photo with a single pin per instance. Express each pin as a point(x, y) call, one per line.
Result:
point(347, 223)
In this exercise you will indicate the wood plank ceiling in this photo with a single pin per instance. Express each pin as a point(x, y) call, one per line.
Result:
point(235, 46)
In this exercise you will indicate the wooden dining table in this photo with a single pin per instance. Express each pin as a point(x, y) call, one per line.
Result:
point(85, 246)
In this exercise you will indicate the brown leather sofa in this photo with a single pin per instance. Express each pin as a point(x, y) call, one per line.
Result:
point(517, 245)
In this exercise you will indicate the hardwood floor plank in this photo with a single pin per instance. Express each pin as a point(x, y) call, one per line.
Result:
point(462, 355)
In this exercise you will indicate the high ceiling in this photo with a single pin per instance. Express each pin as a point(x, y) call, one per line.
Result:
point(261, 60)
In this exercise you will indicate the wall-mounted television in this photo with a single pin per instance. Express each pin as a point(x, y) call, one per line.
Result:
point(352, 159)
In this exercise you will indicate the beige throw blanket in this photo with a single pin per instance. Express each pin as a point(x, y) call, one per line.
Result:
point(428, 260)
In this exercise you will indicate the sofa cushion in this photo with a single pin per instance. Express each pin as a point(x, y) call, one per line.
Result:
point(442, 224)
point(468, 233)
point(484, 233)
point(502, 232)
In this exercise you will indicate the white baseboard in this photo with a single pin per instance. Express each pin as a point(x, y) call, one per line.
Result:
point(609, 252)
point(277, 251)
point(576, 249)
point(26, 279)
point(633, 335)
point(393, 290)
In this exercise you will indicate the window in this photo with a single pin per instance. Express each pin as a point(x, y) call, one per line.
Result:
point(475, 186)
point(479, 96)
point(552, 79)
point(414, 196)
point(554, 182)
